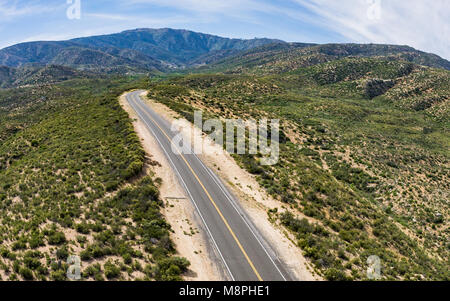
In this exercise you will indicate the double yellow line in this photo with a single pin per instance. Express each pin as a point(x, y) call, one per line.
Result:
point(209, 196)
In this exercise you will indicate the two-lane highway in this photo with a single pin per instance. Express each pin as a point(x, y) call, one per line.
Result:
point(244, 253)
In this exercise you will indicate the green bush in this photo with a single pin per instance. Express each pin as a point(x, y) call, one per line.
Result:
point(58, 275)
point(56, 238)
point(335, 275)
point(111, 270)
point(170, 269)
point(26, 273)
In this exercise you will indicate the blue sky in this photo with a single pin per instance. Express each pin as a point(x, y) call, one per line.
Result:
point(422, 24)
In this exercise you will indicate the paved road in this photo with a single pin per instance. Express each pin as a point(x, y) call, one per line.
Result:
point(245, 255)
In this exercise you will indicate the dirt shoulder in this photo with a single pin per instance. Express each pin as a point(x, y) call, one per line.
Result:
point(189, 238)
point(253, 199)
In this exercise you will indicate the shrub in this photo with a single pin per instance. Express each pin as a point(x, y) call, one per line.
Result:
point(32, 263)
point(335, 275)
point(62, 253)
point(58, 275)
point(111, 270)
point(93, 271)
point(134, 169)
point(57, 238)
point(127, 258)
point(170, 269)
point(83, 228)
point(26, 273)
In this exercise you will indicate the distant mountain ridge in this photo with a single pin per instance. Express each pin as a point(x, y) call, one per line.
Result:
point(171, 45)
point(283, 57)
point(140, 49)
point(162, 50)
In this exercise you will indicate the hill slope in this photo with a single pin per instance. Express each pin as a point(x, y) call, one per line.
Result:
point(364, 158)
point(38, 75)
point(276, 58)
point(71, 183)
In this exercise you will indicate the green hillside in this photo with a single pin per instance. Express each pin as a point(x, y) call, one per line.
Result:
point(71, 184)
point(277, 58)
point(364, 169)
point(39, 75)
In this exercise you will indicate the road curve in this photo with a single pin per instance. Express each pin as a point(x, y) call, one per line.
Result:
point(244, 253)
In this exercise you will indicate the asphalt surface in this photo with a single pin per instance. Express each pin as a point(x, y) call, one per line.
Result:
point(243, 252)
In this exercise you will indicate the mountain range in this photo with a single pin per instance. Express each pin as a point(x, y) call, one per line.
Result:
point(162, 50)
point(141, 49)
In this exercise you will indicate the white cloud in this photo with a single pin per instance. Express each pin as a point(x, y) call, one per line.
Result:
point(113, 17)
point(422, 24)
point(48, 37)
point(215, 6)
point(241, 9)
point(54, 37)
point(12, 9)
point(136, 20)
point(418, 23)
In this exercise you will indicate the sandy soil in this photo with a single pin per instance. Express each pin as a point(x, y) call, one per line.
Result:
point(188, 235)
point(250, 195)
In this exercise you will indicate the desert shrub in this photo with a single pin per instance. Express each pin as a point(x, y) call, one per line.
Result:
point(127, 258)
point(170, 269)
point(111, 270)
point(56, 238)
point(93, 271)
point(83, 228)
point(134, 169)
point(335, 275)
point(26, 273)
point(62, 253)
point(58, 275)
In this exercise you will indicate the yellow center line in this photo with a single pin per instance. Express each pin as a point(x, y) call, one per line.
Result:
point(209, 196)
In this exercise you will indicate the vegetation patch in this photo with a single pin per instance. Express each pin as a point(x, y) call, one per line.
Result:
point(370, 176)
point(68, 187)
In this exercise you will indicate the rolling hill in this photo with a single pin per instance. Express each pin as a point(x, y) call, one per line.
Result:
point(36, 75)
point(282, 57)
